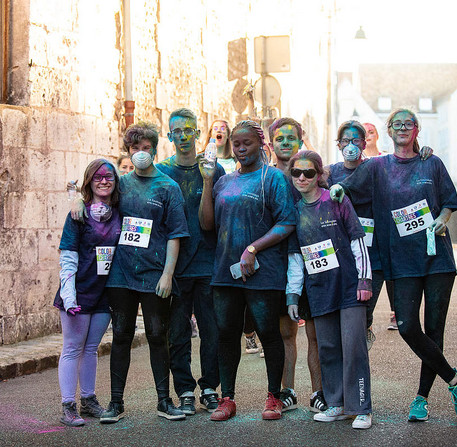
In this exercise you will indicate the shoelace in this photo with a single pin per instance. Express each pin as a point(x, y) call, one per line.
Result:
point(187, 400)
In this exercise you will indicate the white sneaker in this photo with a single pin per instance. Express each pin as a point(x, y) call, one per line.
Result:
point(362, 421)
point(331, 414)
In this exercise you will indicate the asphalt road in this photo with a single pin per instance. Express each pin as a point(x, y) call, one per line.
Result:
point(30, 405)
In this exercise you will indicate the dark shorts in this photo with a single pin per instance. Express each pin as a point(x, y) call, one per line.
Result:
point(303, 306)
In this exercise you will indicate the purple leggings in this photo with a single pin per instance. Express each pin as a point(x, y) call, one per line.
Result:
point(81, 336)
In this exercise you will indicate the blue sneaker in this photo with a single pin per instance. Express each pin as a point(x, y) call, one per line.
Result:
point(418, 410)
point(453, 390)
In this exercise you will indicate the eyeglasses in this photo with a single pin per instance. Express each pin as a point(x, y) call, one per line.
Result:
point(308, 173)
point(99, 177)
point(346, 141)
point(409, 125)
point(188, 132)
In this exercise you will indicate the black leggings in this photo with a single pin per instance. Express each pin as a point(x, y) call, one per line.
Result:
point(230, 304)
point(156, 316)
point(427, 346)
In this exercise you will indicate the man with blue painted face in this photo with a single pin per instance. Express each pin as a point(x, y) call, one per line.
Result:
point(193, 273)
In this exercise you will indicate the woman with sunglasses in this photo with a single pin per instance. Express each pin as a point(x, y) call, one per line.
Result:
point(85, 259)
point(412, 200)
point(253, 215)
point(335, 267)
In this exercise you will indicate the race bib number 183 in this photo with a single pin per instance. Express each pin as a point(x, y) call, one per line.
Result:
point(320, 257)
point(135, 232)
point(413, 218)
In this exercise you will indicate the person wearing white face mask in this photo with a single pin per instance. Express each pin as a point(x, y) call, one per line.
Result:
point(153, 221)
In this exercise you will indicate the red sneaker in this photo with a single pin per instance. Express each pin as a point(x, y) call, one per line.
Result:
point(226, 408)
point(273, 408)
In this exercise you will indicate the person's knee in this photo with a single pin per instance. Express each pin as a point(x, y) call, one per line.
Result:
point(289, 330)
point(409, 330)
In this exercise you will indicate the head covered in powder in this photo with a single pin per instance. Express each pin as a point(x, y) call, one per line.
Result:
point(183, 113)
point(391, 118)
point(91, 169)
point(315, 159)
point(228, 153)
point(142, 130)
point(284, 122)
point(347, 125)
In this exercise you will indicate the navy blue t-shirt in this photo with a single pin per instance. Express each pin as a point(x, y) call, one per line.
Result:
point(90, 239)
point(325, 230)
point(415, 191)
point(247, 206)
point(152, 211)
point(196, 254)
point(337, 173)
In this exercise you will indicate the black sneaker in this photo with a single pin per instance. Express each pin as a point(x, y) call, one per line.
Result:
point(113, 414)
point(187, 404)
point(167, 410)
point(209, 401)
point(70, 415)
point(91, 407)
point(317, 402)
point(288, 399)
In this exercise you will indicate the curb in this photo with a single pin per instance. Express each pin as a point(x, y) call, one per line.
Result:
point(43, 353)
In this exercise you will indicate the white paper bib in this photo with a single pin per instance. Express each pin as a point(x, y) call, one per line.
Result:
point(104, 259)
point(368, 227)
point(135, 232)
point(413, 218)
point(320, 257)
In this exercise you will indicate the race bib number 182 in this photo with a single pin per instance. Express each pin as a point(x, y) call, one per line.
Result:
point(135, 232)
point(413, 218)
point(320, 257)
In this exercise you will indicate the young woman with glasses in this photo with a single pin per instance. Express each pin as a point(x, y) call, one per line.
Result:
point(85, 258)
point(335, 268)
point(412, 200)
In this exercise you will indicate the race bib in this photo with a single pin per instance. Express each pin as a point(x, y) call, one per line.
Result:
point(368, 227)
point(104, 259)
point(413, 218)
point(135, 232)
point(320, 257)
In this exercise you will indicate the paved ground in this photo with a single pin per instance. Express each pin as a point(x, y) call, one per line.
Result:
point(30, 405)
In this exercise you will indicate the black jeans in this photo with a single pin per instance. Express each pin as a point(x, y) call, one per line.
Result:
point(230, 304)
point(378, 281)
point(156, 315)
point(196, 294)
point(427, 346)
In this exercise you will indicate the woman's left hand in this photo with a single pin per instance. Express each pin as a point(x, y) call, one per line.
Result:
point(163, 288)
point(363, 295)
point(247, 263)
point(426, 152)
point(72, 311)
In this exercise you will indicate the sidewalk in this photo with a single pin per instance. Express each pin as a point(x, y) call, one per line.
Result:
point(36, 355)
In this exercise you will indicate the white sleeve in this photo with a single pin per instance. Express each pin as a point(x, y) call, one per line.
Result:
point(362, 260)
point(295, 274)
point(68, 268)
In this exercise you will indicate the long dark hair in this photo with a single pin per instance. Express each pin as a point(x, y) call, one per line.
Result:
point(315, 159)
point(91, 169)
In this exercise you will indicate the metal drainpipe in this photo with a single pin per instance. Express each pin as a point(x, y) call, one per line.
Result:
point(129, 103)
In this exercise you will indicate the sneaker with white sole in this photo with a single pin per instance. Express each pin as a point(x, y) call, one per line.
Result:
point(251, 345)
point(362, 421)
point(187, 403)
point(209, 400)
point(289, 399)
point(331, 414)
point(393, 326)
point(261, 352)
point(166, 409)
point(317, 402)
point(113, 414)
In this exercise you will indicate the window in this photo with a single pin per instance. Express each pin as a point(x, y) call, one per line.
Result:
point(384, 103)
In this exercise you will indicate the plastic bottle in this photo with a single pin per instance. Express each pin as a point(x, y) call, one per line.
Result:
point(71, 189)
point(211, 153)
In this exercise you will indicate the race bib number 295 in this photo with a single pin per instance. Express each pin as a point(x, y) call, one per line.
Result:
point(413, 218)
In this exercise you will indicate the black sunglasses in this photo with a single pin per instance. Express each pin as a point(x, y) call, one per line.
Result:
point(308, 173)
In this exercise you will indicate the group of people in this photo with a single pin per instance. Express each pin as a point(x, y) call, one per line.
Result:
point(240, 239)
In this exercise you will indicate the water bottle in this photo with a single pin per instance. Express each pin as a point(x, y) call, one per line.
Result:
point(71, 189)
point(211, 154)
